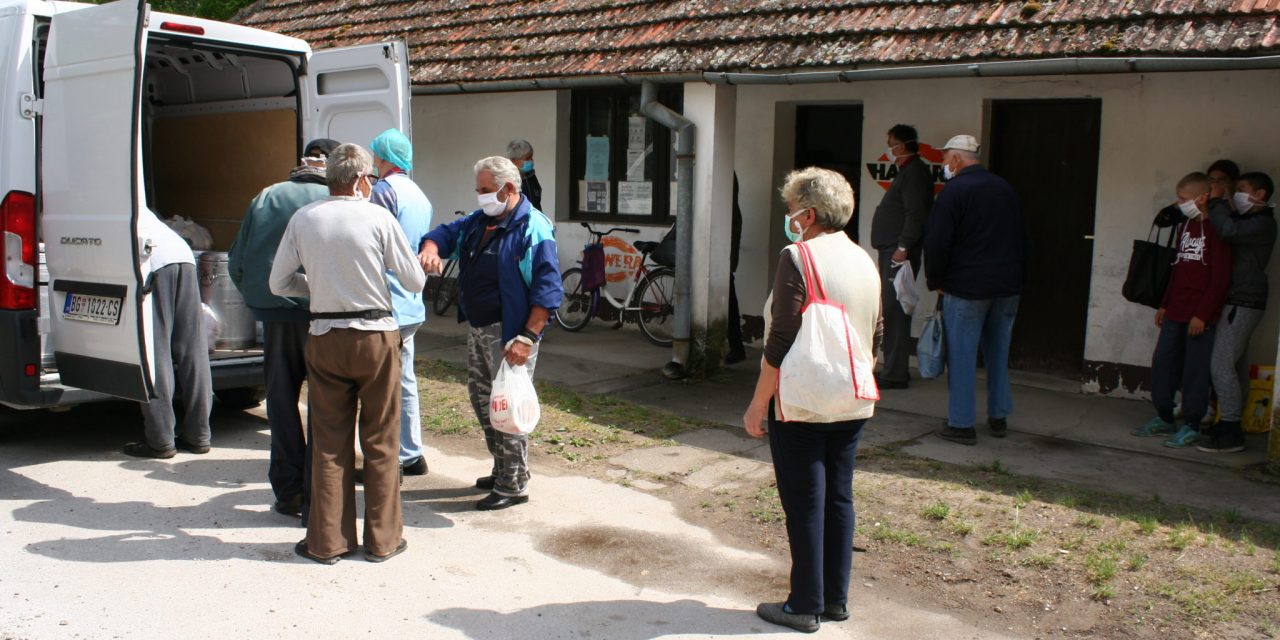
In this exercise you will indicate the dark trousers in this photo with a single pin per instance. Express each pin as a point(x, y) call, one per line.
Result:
point(897, 324)
point(182, 360)
point(285, 368)
point(735, 320)
point(813, 464)
point(1181, 362)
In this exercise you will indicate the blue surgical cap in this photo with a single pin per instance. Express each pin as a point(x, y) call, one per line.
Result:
point(394, 147)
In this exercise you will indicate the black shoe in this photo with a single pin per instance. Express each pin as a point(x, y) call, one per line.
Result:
point(290, 507)
point(836, 612)
point(776, 613)
point(302, 550)
point(1222, 443)
point(496, 501)
point(414, 467)
point(404, 544)
point(734, 357)
point(999, 427)
point(963, 436)
point(485, 483)
point(198, 449)
point(144, 450)
point(892, 384)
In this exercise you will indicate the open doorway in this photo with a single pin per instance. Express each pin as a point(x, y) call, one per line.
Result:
point(1048, 151)
point(830, 136)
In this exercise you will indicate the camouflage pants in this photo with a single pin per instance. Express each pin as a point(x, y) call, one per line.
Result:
point(510, 453)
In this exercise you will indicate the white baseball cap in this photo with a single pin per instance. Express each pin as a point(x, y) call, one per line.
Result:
point(962, 142)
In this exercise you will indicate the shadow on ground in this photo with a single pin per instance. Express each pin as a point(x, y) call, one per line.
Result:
point(615, 620)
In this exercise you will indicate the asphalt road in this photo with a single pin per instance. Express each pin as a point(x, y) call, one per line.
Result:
point(99, 545)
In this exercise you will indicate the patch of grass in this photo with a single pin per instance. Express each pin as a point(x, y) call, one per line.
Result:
point(1275, 563)
point(937, 511)
point(1022, 499)
point(961, 527)
point(885, 532)
point(995, 466)
point(1100, 568)
point(1012, 540)
point(1135, 561)
point(1232, 515)
point(1113, 545)
point(1073, 543)
point(1103, 592)
point(1147, 525)
point(1180, 538)
point(1089, 522)
point(1239, 583)
point(1042, 561)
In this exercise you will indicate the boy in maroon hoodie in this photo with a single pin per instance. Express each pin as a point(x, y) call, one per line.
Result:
point(1192, 303)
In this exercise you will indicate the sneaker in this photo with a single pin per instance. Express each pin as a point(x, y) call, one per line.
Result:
point(962, 436)
point(1156, 427)
point(999, 427)
point(1222, 443)
point(1185, 437)
point(776, 612)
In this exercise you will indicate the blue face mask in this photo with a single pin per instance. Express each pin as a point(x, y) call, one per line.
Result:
point(793, 236)
point(527, 166)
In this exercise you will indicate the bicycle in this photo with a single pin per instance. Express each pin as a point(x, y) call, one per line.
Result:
point(447, 289)
point(650, 302)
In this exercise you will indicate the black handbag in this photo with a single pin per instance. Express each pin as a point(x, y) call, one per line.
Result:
point(665, 253)
point(1149, 268)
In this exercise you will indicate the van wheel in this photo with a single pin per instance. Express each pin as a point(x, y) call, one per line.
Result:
point(241, 397)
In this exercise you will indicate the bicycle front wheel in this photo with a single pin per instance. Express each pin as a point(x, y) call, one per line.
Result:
point(446, 290)
point(656, 301)
point(578, 305)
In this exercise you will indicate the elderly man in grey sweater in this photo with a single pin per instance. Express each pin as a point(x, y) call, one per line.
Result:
point(345, 245)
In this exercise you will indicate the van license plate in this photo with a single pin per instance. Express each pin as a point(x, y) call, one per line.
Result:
point(100, 309)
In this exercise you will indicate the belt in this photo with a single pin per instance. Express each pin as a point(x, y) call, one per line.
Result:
point(367, 314)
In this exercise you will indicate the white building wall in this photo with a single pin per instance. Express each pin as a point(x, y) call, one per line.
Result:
point(1155, 128)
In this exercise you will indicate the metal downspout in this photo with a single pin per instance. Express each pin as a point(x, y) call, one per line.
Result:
point(685, 132)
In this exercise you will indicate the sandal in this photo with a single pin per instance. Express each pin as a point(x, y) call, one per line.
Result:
point(144, 450)
point(404, 544)
point(302, 550)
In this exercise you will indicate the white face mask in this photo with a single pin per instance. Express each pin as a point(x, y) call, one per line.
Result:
point(1189, 208)
point(947, 173)
point(492, 206)
point(1243, 201)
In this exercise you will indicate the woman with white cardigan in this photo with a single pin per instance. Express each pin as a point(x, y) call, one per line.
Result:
point(813, 454)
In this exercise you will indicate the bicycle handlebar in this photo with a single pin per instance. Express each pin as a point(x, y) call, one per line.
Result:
point(601, 235)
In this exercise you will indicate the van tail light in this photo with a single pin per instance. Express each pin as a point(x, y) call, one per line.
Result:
point(18, 228)
point(195, 30)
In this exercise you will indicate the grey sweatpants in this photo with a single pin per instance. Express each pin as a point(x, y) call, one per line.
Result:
point(1230, 342)
point(181, 356)
point(510, 452)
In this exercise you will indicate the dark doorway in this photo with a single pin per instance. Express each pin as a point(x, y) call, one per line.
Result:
point(830, 136)
point(1048, 151)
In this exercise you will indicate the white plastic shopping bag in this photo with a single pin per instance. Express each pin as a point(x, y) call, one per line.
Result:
point(825, 372)
point(513, 404)
point(904, 285)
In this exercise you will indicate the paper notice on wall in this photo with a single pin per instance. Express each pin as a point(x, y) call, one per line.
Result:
point(674, 198)
point(593, 197)
point(635, 132)
point(597, 159)
point(635, 163)
point(635, 198)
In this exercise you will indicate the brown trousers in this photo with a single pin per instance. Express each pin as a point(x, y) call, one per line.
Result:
point(347, 368)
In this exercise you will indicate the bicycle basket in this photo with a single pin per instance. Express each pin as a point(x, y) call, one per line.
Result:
point(593, 267)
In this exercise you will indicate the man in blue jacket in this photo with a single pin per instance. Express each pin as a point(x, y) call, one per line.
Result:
point(398, 193)
point(975, 257)
point(284, 320)
point(508, 286)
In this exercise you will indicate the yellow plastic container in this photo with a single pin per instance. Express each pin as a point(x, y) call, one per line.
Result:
point(1257, 406)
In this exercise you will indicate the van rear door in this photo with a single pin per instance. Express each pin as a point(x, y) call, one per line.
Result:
point(355, 93)
point(92, 198)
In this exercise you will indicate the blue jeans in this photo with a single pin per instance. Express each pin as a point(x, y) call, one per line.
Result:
point(1181, 362)
point(410, 418)
point(971, 325)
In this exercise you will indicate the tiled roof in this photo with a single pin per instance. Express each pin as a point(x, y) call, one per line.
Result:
point(483, 40)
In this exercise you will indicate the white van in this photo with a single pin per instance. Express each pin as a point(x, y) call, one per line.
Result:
point(110, 109)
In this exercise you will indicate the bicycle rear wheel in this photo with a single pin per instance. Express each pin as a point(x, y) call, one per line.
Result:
point(656, 299)
point(578, 305)
point(447, 289)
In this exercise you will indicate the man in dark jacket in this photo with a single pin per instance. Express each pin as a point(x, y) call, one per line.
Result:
point(284, 320)
point(1191, 307)
point(975, 256)
point(520, 153)
point(897, 231)
point(1251, 234)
